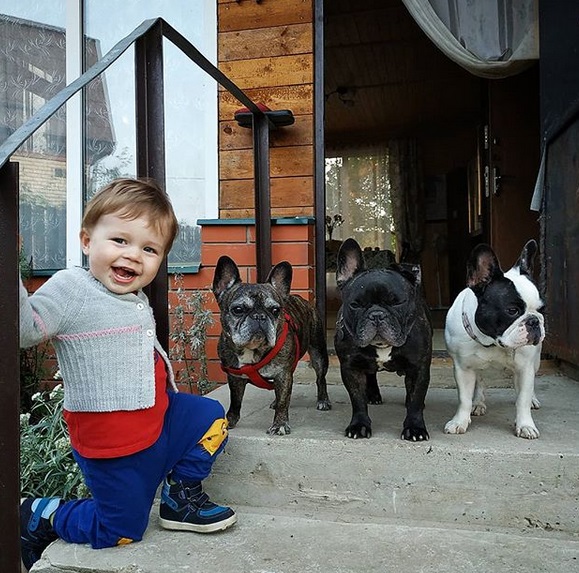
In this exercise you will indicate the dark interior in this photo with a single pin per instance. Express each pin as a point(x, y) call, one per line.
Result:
point(385, 79)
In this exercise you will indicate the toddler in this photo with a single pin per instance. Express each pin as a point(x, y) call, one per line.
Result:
point(129, 428)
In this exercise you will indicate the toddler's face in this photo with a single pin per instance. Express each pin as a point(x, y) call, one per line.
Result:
point(124, 254)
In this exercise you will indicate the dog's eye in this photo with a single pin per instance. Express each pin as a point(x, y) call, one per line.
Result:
point(275, 311)
point(355, 305)
point(237, 310)
point(513, 311)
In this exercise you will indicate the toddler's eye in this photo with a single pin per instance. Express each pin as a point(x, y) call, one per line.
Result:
point(150, 250)
point(119, 240)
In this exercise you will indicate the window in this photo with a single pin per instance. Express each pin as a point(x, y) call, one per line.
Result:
point(358, 198)
point(35, 58)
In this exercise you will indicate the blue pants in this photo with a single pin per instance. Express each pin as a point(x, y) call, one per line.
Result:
point(123, 489)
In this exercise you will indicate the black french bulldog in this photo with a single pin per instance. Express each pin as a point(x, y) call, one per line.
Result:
point(383, 324)
point(265, 331)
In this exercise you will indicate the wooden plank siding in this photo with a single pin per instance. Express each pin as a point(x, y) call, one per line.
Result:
point(266, 48)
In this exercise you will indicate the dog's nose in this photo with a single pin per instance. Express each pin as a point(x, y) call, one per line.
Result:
point(533, 326)
point(376, 314)
point(259, 316)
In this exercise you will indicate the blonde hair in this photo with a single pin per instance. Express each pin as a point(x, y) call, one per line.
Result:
point(133, 198)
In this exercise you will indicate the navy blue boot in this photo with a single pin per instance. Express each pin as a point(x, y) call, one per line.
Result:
point(184, 506)
point(36, 531)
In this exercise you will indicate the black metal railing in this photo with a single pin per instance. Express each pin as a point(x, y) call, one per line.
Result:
point(148, 41)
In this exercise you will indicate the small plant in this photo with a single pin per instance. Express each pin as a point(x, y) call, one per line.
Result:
point(47, 466)
point(189, 322)
point(332, 223)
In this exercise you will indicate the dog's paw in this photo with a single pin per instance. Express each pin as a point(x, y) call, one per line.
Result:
point(456, 426)
point(375, 399)
point(527, 431)
point(279, 429)
point(358, 430)
point(535, 404)
point(479, 409)
point(324, 405)
point(415, 434)
point(232, 421)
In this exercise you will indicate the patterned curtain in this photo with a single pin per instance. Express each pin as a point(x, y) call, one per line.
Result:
point(407, 196)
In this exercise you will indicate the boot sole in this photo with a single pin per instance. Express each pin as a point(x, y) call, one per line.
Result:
point(196, 527)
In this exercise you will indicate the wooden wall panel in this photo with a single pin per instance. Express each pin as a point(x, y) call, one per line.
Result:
point(284, 162)
point(285, 212)
point(278, 41)
point(266, 48)
point(285, 192)
point(246, 15)
point(263, 72)
point(297, 98)
point(232, 136)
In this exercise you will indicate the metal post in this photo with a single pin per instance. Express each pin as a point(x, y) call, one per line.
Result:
point(9, 371)
point(319, 159)
point(150, 121)
point(262, 195)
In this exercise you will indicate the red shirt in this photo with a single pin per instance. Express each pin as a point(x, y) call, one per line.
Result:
point(121, 433)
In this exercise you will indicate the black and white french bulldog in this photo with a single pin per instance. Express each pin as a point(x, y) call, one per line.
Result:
point(265, 331)
point(383, 324)
point(495, 321)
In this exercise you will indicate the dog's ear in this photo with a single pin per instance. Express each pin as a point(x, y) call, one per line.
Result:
point(280, 277)
point(410, 271)
point(525, 262)
point(482, 267)
point(226, 275)
point(350, 261)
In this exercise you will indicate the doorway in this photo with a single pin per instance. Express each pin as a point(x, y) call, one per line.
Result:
point(387, 84)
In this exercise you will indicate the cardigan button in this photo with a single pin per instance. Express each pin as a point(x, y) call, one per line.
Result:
point(150, 332)
point(140, 306)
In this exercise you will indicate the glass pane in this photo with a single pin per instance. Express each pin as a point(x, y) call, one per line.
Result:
point(190, 110)
point(358, 204)
point(32, 71)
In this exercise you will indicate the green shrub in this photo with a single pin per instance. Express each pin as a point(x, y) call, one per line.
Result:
point(47, 466)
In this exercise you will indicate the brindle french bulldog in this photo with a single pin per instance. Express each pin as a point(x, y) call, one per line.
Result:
point(265, 331)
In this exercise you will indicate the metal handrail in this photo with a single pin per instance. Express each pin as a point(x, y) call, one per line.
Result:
point(150, 162)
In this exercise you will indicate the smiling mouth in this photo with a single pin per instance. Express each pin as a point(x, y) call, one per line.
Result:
point(123, 274)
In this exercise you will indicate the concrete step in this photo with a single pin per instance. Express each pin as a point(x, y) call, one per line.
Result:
point(315, 501)
point(284, 543)
point(485, 477)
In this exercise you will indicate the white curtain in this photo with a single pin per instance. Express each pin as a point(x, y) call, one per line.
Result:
point(489, 38)
point(357, 189)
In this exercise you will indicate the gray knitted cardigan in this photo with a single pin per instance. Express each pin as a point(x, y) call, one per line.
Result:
point(104, 342)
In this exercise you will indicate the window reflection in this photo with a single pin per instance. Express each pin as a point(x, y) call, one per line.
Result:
point(32, 71)
point(190, 111)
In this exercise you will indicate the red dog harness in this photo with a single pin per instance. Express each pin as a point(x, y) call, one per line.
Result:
point(251, 371)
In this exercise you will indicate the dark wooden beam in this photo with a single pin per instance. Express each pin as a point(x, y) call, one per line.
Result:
point(9, 371)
